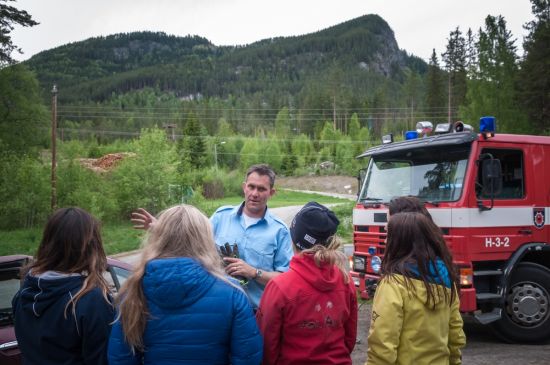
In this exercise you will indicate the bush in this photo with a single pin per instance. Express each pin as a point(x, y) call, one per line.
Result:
point(25, 192)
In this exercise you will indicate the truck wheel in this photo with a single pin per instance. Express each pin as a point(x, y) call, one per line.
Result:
point(526, 315)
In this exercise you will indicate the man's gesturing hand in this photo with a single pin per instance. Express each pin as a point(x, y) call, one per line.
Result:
point(142, 219)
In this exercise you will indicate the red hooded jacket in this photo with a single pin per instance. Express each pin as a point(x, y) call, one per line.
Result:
point(308, 315)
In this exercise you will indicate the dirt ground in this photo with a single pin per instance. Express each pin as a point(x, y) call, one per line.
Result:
point(329, 184)
point(482, 347)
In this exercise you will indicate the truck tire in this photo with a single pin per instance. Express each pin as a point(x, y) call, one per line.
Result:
point(526, 315)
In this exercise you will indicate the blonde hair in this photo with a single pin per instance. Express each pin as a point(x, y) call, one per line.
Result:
point(181, 231)
point(330, 254)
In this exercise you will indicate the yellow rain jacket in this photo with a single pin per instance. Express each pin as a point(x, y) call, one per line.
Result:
point(405, 331)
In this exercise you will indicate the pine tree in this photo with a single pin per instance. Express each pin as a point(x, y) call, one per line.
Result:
point(534, 75)
point(435, 95)
point(455, 64)
point(9, 16)
point(282, 123)
point(492, 91)
point(22, 115)
point(192, 148)
point(471, 55)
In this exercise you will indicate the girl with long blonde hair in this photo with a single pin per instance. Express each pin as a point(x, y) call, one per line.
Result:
point(178, 306)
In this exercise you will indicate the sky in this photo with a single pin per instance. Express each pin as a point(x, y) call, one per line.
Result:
point(419, 25)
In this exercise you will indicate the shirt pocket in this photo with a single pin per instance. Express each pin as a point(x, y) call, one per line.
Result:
point(261, 258)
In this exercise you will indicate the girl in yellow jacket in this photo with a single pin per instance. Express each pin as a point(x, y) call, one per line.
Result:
point(415, 314)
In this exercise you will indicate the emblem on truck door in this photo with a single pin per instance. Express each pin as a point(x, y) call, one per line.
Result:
point(538, 217)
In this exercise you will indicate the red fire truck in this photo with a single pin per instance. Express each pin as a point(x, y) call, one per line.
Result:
point(490, 195)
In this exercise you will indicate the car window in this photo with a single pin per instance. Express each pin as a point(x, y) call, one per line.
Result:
point(8, 288)
point(115, 277)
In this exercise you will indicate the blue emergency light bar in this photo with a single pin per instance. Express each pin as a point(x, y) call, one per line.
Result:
point(411, 134)
point(487, 124)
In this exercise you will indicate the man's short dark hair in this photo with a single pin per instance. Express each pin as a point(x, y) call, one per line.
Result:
point(262, 170)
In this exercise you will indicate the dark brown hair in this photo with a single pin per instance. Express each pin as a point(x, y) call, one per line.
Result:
point(407, 204)
point(71, 243)
point(415, 241)
point(262, 170)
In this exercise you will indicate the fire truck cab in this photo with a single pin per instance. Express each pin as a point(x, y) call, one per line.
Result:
point(490, 195)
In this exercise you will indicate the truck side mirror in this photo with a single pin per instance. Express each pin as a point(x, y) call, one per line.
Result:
point(491, 177)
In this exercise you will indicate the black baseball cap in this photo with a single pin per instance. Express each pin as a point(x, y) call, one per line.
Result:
point(313, 225)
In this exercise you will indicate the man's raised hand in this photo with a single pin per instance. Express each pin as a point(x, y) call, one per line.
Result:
point(142, 219)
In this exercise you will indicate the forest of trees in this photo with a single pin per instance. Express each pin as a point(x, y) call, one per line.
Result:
point(194, 115)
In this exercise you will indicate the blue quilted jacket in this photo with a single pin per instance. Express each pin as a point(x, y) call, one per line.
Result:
point(195, 318)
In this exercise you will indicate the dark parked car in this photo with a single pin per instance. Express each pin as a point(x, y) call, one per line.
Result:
point(10, 282)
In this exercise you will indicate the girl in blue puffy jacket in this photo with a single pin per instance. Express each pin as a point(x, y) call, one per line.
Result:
point(179, 307)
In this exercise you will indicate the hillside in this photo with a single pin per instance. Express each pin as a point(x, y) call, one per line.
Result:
point(356, 53)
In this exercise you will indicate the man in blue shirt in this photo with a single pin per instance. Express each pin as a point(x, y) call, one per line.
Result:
point(263, 240)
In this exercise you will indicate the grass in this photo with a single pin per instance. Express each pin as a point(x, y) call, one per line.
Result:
point(283, 198)
point(121, 237)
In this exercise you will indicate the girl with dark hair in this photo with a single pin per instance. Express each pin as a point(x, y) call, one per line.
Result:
point(415, 314)
point(63, 310)
point(407, 204)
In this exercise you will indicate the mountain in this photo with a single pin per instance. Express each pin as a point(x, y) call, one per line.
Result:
point(356, 56)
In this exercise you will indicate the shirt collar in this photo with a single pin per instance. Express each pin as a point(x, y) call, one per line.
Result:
point(241, 208)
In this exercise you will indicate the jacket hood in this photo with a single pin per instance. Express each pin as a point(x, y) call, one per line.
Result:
point(324, 278)
point(440, 282)
point(41, 292)
point(175, 282)
point(438, 273)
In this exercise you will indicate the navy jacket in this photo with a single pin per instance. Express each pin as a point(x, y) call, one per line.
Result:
point(195, 318)
point(47, 336)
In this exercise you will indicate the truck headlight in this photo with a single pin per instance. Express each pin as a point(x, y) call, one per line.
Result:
point(375, 264)
point(359, 263)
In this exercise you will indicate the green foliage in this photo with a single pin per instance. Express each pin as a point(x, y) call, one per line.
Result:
point(143, 180)
point(282, 124)
point(78, 186)
point(23, 120)
point(9, 17)
point(534, 74)
point(344, 213)
point(192, 148)
point(117, 238)
point(455, 64)
point(435, 94)
point(250, 153)
point(270, 153)
point(302, 148)
point(344, 156)
point(492, 91)
point(24, 191)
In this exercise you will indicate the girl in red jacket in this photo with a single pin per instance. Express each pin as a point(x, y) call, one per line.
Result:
point(308, 315)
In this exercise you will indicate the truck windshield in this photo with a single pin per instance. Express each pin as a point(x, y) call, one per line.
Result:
point(434, 174)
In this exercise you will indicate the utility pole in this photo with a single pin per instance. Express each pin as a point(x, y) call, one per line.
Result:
point(216, 154)
point(450, 90)
point(54, 161)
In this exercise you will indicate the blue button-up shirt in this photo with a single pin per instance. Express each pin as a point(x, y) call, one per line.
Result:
point(265, 245)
